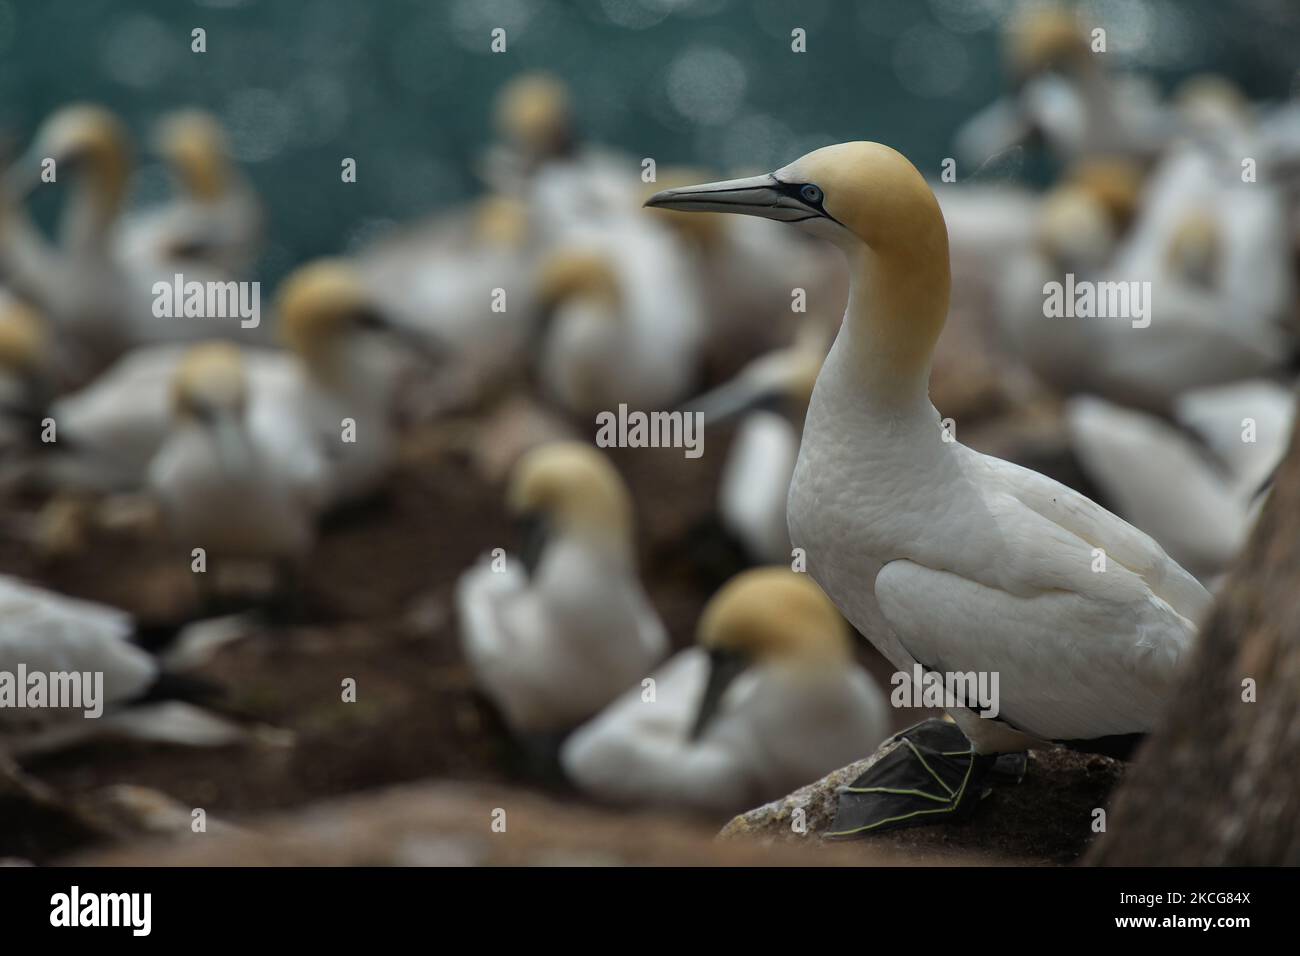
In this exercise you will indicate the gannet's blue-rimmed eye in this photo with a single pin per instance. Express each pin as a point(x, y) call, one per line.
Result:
point(811, 193)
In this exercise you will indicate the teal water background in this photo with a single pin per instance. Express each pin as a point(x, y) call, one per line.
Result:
point(405, 87)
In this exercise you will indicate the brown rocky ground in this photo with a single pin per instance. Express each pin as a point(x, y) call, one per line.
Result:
point(378, 608)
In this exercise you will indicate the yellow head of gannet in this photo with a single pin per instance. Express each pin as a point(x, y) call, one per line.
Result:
point(1074, 229)
point(90, 139)
point(1210, 103)
point(193, 144)
point(209, 383)
point(533, 115)
point(870, 201)
point(23, 340)
point(1194, 247)
point(570, 488)
point(324, 309)
point(571, 274)
point(767, 616)
point(1045, 38)
point(1114, 182)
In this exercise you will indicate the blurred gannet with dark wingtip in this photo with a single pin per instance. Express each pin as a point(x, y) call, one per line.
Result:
point(771, 393)
point(557, 633)
point(943, 557)
point(770, 699)
point(45, 633)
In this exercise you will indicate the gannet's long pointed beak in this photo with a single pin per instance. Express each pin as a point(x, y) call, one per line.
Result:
point(724, 668)
point(764, 196)
point(23, 176)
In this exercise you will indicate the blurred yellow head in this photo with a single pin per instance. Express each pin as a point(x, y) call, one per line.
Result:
point(1074, 228)
point(23, 340)
point(95, 140)
point(533, 114)
point(1045, 37)
point(577, 274)
point(1115, 183)
point(194, 145)
point(574, 487)
point(210, 381)
point(317, 305)
point(775, 614)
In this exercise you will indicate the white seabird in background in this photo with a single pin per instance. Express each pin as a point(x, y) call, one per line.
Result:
point(770, 700)
point(555, 634)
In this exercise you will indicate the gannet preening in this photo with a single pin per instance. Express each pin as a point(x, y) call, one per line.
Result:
point(942, 556)
point(612, 335)
point(214, 217)
point(771, 393)
point(236, 478)
point(46, 633)
point(770, 700)
point(555, 634)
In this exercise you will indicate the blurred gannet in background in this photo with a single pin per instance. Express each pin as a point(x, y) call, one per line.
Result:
point(237, 478)
point(1065, 93)
point(1208, 322)
point(215, 217)
point(770, 700)
point(97, 296)
point(772, 394)
point(441, 277)
point(568, 186)
point(343, 362)
point(941, 556)
point(1197, 498)
point(614, 332)
point(26, 370)
point(45, 632)
point(556, 634)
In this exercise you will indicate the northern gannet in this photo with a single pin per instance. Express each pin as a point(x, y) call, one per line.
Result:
point(770, 700)
point(26, 370)
point(1064, 92)
point(615, 335)
point(341, 366)
point(239, 479)
point(555, 634)
point(771, 393)
point(214, 216)
point(1193, 488)
point(45, 633)
point(96, 294)
point(942, 556)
